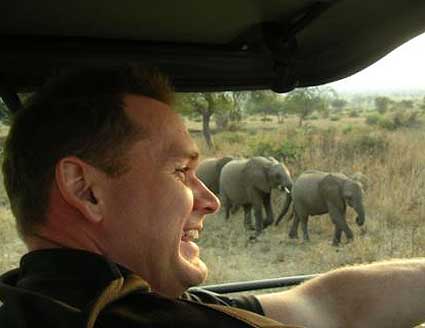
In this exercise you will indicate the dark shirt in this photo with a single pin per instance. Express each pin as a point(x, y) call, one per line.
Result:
point(73, 288)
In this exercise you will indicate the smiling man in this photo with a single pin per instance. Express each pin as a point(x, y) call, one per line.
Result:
point(100, 173)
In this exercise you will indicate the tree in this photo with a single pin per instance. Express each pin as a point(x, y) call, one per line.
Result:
point(422, 105)
point(338, 104)
point(303, 102)
point(407, 104)
point(266, 102)
point(231, 113)
point(205, 104)
point(382, 103)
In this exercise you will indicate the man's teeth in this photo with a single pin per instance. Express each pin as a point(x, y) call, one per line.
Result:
point(191, 234)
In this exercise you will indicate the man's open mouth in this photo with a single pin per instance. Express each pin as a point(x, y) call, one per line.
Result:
point(190, 235)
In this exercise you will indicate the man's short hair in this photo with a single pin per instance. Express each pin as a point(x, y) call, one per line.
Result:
point(78, 113)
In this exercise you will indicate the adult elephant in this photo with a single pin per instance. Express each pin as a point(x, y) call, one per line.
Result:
point(248, 183)
point(316, 192)
point(209, 172)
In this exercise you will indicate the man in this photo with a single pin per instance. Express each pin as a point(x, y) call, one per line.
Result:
point(100, 173)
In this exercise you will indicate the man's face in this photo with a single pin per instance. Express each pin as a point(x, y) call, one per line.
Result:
point(155, 211)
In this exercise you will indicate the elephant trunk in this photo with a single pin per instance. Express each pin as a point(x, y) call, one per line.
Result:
point(285, 207)
point(361, 216)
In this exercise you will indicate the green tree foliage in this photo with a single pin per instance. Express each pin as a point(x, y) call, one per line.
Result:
point(303, 102)
point(229, 117)
point(422, 105)
point(406, 104)
point(266, 102)
point(205, 104)
point(382, 104)
point(338, 104)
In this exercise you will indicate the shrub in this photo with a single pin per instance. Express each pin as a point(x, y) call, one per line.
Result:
point(373, 119)
point(347, 129)
point(335, 118)
point(374, 145)
point(288, 150)
point(354, 113)
point(399, 119)
point(387, 124)
point(266, 119)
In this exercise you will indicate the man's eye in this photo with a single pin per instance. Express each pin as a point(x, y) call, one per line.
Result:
point(181, 172)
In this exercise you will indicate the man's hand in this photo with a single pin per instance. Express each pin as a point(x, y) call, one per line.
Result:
point(384, 294)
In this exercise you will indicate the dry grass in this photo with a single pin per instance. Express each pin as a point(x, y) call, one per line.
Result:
point(394, 203)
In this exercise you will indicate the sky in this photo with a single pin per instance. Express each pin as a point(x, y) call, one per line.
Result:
point(401, 69)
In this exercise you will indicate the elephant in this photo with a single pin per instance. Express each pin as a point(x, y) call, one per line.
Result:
point(316, 192)
point(209, 171)
point(248, 183)
point(363, 179)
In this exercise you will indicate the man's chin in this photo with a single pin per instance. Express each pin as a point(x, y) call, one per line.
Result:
point(194, 271)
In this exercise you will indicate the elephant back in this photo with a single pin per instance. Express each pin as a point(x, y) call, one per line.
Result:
point(306, 193)
point(232, 181)
point(209, 172)
point(206, 172)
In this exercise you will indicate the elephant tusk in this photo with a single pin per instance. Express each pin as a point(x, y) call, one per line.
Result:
point(287, 190)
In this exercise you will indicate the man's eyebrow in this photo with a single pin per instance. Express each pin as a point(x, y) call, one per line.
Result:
point(192, 155)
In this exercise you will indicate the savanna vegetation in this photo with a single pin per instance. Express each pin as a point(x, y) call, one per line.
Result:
point(317, 129)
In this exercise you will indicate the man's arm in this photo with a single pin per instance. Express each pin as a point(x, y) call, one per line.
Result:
point(384, 294)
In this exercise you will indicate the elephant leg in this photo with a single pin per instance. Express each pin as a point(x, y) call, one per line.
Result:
point(227, 210)
point(338, 219)
point(304, 224)
point(293, 233)
point(337, 236)
point(248, 217)
point(348, 232)
point(269, 210)
point(226, 205)
point(257, 204)
point(258, 212)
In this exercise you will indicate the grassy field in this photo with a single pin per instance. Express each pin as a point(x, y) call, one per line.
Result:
point(394, 202)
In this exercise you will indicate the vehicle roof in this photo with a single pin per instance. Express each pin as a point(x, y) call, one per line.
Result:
point(205, 45)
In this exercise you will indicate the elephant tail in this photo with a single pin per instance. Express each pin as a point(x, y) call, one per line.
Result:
point(285, 208)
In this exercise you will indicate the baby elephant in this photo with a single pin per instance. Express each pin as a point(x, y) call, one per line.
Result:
point(317, 192)
point(249, 182)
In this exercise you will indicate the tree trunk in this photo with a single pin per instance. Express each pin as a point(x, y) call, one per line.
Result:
point(300, 121)
point(206, 116)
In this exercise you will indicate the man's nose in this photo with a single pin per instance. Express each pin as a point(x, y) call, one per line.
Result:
point(204, 199)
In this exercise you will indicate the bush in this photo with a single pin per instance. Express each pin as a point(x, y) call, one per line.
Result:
point(354, 113)
point(335, 118)
point(347, 129)
point(387, 124)
point(374, 145)
point(266, 119)
point(313, 117)
point(399, 119)
point(288, 150)
point(373, 119)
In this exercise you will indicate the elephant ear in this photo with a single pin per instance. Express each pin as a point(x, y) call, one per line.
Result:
point(255, 174)
point(330, 188)
point(352, 188)
point(272, 159)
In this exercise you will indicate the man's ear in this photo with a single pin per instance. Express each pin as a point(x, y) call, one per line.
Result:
point(77, 182)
